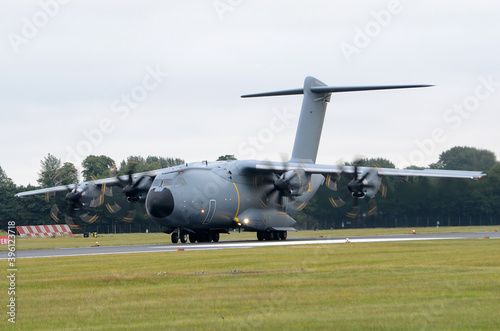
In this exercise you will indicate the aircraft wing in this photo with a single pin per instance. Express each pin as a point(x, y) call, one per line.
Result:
point(339, 169)
point(113, 181)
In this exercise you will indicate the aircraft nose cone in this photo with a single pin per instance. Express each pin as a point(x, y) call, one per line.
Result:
point(160, 204)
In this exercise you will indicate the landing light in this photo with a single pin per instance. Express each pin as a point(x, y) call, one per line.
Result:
point(246, 220)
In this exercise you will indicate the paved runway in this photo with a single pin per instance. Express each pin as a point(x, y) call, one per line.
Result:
point(240, 244)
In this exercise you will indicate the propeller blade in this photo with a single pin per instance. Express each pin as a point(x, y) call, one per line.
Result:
point(372, 206)
point(130, 214)
point(364, 176)
point(54, 213)
point(71, 222)
point(383, 191)
point(114, 208)
point(353, 213)
point(331, 182)
point(336, 203)
point(87, 218)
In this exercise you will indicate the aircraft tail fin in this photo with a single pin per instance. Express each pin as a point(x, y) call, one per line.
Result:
point(312, 114)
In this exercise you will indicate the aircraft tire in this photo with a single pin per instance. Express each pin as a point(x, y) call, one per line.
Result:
point(175, 238)
point(260, 236)
point(184, 238)
point(203, 238)
point(193, 237)
point(216, 237)
point(281, 235)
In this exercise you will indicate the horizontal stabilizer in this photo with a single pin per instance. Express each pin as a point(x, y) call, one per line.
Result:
point(337, 89)
point(271, 94)
point(332, 89)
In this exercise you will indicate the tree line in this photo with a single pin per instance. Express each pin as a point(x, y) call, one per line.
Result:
point(408, 202)
point(417, 201)
point(46, 209)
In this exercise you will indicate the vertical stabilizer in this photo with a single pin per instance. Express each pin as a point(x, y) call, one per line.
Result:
point(312, 116)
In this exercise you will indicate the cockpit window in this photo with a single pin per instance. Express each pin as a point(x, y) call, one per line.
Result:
point(175, 179)
point(166, 182)
point(179, 181)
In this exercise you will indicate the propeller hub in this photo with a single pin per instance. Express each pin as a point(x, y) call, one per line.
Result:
point(73, 197)
point(281, 184)
point(356, 188)
point(130, 191)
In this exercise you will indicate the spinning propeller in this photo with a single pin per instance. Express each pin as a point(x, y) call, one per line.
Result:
point(362, 185)
point(131, 191)
point(79, 201)
point(280, 185)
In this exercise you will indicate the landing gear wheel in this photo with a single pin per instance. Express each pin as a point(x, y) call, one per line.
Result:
point(270, 235)
point(282, 235)
point(175, 238)
point(193, 238)
point(184, 238)
point(216, 237)
point(260, 236)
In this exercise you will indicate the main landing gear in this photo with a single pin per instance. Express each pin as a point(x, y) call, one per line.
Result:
point(195, 237)
point(183, 237)
point(271, 235)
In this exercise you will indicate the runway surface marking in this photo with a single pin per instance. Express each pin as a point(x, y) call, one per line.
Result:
point(307, 242)
point(107, 250)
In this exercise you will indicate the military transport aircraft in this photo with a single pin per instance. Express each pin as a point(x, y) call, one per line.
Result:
point(202, 200)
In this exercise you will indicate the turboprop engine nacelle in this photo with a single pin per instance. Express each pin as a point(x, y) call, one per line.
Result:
point(298, 182)
point(365, 186)
point(84, 197)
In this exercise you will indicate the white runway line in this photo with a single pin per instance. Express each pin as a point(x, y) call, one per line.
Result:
point(216, 246)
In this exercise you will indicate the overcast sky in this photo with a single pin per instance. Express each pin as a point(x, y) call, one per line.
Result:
point(164, 78)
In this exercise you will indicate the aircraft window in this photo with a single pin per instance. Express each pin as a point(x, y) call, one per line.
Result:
point(179, 181)
point(157, 182)
point(166, 182)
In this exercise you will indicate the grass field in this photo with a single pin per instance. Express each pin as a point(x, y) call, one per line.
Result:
point(449, 284)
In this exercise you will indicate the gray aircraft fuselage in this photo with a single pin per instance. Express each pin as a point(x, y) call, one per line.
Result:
point(211, 195)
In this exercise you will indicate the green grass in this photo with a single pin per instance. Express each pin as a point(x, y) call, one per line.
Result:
point(452, 284)
point(161, 238)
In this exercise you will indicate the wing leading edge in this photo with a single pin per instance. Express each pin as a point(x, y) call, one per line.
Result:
point(106, 181)
point(338, 169)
